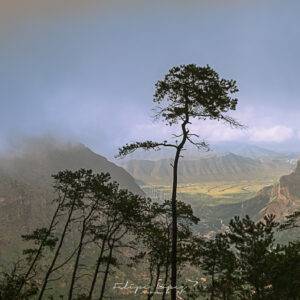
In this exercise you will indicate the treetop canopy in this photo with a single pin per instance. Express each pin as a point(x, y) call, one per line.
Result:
point(192, 91)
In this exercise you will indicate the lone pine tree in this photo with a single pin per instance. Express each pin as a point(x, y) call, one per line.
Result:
point(186, 93)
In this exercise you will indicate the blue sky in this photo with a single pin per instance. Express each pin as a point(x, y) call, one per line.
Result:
point(86, 70)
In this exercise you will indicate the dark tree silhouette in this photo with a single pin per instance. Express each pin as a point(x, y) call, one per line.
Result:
point(127, 211)
point(43, 237)
point(101, 214)
point(88, 214)
point(285, 272)
point(76, 186)
point(155, 235)
point(10, 283)
point(254, 243)
point(218, 262)
point(116, 218)
point(187, 92)
point(292, 221)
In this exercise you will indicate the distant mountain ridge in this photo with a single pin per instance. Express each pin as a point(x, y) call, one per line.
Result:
point(254, 152)
point(241, 149)
point(210, 167)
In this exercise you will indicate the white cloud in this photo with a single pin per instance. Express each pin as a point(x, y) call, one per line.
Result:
point(217, 132)
point(276, 133)
point(223, 134)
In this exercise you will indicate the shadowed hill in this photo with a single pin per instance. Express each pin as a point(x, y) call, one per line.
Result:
point(43, 157)
point(26, 186)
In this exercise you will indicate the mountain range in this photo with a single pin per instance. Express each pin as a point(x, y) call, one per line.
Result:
point(209, 167)
point(241, 149)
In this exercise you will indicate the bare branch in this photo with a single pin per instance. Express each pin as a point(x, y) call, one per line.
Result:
point(147, 145)
point(66, 261)
point(177, 135)
point(200, 145)
point(55, 279)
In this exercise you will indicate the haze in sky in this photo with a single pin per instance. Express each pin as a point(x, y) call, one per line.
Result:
point(85, 70)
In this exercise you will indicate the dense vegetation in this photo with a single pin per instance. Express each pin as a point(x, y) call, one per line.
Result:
point(98, 228)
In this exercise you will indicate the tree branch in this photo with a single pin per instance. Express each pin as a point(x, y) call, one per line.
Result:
point(232, 122)
point(147, 145)
point(200, 145)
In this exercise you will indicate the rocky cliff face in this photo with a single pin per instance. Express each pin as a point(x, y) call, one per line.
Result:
point(281, 199)
point(285, 195)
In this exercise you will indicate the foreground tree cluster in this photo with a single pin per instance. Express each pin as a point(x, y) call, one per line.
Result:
point(96, 227)
point(245, 263)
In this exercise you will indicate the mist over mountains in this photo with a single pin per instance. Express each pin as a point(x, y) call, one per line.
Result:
point(26, 185)
point(37, 159)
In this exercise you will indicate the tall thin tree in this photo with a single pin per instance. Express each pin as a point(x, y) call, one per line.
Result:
point(187, 92)
point(74, 183)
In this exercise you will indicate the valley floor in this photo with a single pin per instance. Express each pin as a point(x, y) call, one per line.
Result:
point(210, 193)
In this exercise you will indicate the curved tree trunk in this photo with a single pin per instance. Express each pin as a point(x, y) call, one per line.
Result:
point(150, 295)
point(165, 283)
point(56, 253)
point(212, 296)
point(151, 267)
point(174, 228)
point(174, 211)
point(167, 265)
point(97, 268)
point(39, 251)
point(77, 261)
point(106, 271)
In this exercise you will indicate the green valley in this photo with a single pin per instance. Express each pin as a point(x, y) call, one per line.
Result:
point(210, 193)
